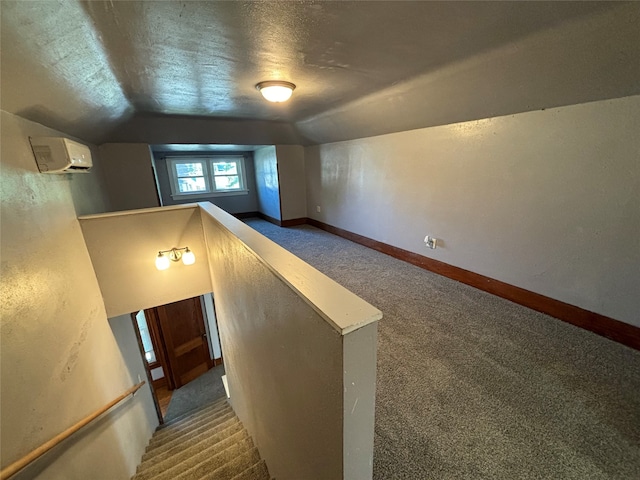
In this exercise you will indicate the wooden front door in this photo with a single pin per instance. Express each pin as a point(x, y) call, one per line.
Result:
point(185, 340)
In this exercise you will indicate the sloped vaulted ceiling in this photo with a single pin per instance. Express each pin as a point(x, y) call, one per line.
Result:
point(185, 72)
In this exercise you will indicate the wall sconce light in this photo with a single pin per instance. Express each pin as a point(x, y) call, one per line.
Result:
point(275, 90)
point(174, 254)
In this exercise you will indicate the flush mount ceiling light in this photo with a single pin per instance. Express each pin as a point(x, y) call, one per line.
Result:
point(174, 254)
point(275, 90)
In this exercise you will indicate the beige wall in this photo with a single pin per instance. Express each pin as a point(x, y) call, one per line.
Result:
point(60, 361)
point(299, 355)
point(125, 336)
point(291, 179)
point(123, 247)
point(129, 175)
point(545, 200)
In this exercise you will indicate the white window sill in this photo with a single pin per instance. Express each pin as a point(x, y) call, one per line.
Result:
point(232, 193)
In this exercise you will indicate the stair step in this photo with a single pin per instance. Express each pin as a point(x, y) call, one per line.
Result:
point(166, 451)
point(165, 460)
point(258, 471)
point(192, 413)
point(208, 443)
point(176, 440)
point(185, 460)
point(188, 425)
point(227, 457)
point(233, 468)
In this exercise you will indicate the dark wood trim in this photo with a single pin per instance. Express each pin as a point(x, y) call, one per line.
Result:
point(160, 382)
point(153, 365)
point(293, 222)
point(275, 221)
point(283, 223)
point(246, 215)
point(147, 370)
point(616, 330)
point(218, 361)
point(159, 347)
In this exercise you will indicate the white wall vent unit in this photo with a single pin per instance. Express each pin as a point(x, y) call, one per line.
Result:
point(60, 155)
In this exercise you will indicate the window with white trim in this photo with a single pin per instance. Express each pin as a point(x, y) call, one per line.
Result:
point(206, 176)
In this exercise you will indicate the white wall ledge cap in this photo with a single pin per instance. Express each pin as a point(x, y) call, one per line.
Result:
point(184, 206)
point(342, 309)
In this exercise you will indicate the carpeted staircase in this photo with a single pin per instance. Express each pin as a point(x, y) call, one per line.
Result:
point(208, 443)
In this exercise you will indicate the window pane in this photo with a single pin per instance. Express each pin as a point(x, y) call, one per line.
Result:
point(225, 168)
point(196, 184)
point(145, 336)
point(150, 356)
point(228, 182)
point(189, 169)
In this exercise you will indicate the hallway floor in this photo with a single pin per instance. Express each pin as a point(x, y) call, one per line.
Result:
point(202, 391)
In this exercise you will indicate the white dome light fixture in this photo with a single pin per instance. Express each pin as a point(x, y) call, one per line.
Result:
point(276, 90)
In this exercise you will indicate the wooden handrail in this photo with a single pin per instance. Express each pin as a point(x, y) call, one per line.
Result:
point(15, 467)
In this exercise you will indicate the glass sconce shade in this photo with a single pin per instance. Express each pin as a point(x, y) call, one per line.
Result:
point(188, 258)
point(162, 262)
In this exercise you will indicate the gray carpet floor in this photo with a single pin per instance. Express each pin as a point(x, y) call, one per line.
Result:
point(198, 393)
point(471, 386)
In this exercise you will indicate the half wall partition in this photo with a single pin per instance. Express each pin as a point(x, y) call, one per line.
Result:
point(299, 349)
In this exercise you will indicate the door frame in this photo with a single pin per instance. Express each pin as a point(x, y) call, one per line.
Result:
point(171, 359)
point(147, 370)
point(159, 345)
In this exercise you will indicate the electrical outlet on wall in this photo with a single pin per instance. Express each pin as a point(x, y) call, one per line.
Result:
point(318, 209)
point(430, 242)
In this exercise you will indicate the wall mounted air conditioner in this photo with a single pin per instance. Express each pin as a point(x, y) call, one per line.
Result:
point(60, 155)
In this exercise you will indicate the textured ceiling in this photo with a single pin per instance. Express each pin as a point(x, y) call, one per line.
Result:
point(185, 72)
